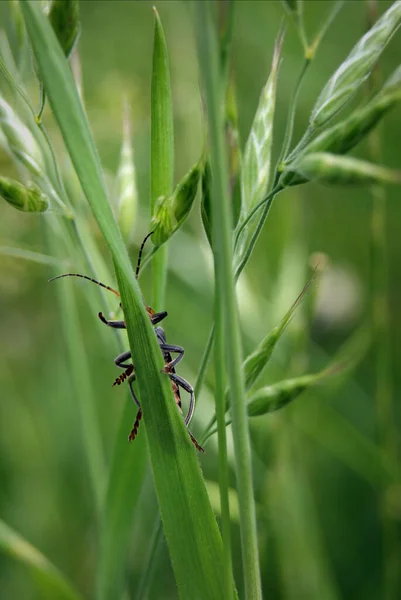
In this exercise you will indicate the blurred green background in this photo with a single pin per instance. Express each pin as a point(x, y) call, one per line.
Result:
point(320, 476)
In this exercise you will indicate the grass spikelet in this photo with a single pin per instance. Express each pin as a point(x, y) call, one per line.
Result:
point(21, 143)
point(339, 170)
point(255, 171)
point(356, 68)
point(25, 198)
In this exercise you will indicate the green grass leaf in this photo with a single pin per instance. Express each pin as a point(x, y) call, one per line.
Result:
point(162, 148)
point(50, 578)
point(191, 530)
point(127, 470)
point(126, 191)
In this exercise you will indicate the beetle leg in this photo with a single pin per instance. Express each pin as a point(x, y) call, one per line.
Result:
point(119, 361)
point(188, 388)
point(129, 367)
point(131, 380)
point(157, 317)
point(114, 324)
point(170, 348)
point(180, 381)
point(135, 427)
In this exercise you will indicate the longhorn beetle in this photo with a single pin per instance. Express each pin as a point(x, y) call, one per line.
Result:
point(167, 349)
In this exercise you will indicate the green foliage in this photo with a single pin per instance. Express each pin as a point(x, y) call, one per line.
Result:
point(170, 213)
point(64, 18)
point(125, 185)
point(75, 487)
point(50, 578)
point(255, 171)
point(27, 199)
point(339, 170)
point(356, 68)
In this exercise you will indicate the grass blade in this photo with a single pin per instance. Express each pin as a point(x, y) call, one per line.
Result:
point(162, 149)
point(191, 530)
point(15, 546)
point(127, 470)
point(37, 257)
point(125, 184)
point(224, 282)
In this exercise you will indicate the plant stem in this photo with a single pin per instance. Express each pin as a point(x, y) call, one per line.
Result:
point(380, 323)
point(225, 288)
point(267, 204)
point(219, 359)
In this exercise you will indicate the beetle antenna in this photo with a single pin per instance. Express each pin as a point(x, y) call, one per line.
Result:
point(138, 266)
point(106, 287)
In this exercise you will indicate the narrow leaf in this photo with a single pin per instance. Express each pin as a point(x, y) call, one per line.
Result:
point(191, 530)
point(14, 545)
point(42, 259)
point(127, 470)
point(64, 17)
point(162, 149)
point(126, 188)
point(162, 133)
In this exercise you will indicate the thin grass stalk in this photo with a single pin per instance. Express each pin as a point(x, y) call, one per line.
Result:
point(380, 322)
point(224, 285)
point(220, 385)
point(162, 150)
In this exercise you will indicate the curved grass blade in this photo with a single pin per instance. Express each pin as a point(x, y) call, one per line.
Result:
point(191, 530)
point(15, 546)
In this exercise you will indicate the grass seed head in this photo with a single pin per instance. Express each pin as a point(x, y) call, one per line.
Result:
point(25, 198)
point(170, 213)
point(20, 142)
point(356, 68)
point(342, 170)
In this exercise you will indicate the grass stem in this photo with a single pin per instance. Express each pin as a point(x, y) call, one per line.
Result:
point(225, 288)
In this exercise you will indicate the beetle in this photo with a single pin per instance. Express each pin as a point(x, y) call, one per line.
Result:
point(122, 360)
